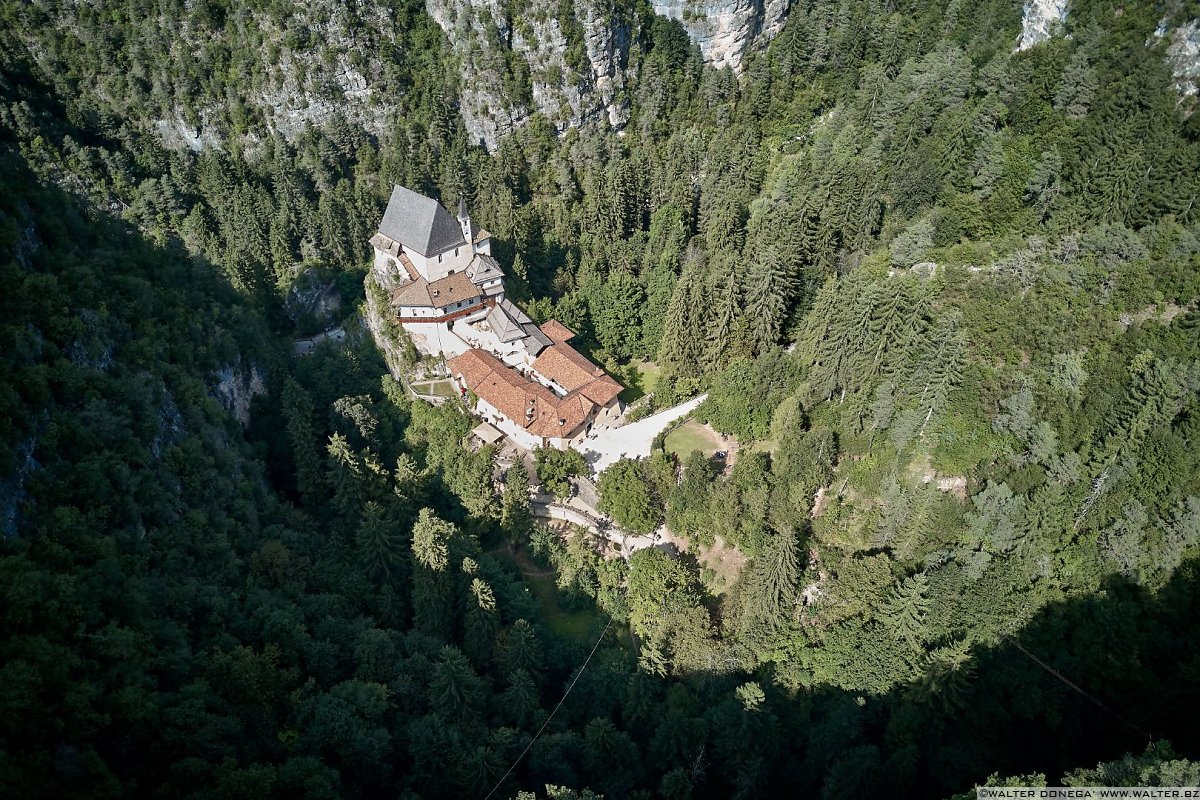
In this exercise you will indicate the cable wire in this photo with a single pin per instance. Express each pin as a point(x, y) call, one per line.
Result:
point(571, 686)
point(1074, 686)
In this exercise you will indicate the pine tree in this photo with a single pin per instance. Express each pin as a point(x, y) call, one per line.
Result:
point(904, 614)
point(521, 651)
point(520, 700)
point(678, 351)
point(1078, 87)
point(297, 410)
point(432, 599)
point(725, 321)
point(378, 542)
point(454, 689)
point(767, 295)
point(514, 508)
point(771, 595)
point(481, 622)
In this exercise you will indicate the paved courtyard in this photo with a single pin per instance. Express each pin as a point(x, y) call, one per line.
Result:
point(603, 447)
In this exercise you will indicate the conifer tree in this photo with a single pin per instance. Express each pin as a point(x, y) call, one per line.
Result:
point(771, 594)
point(521, 699)
point(521, 651)
point(301, 432)
point(378, 542)
point(455, 689)
point(432, 597)
point(904, 613)
point(514, 508)
point(1078, 87)
point(725, 320)
point(678, 352)
point(481, 622)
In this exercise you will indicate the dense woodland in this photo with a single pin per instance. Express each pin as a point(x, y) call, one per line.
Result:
point(947, 289)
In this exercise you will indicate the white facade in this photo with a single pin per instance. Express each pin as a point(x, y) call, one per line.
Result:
point(523, 438)
point(437, 267)
point(417, 312)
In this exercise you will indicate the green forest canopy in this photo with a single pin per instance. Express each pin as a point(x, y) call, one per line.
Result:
point(951, 287)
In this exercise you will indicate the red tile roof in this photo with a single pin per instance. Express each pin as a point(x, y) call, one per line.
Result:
point(601, 391)
point(557, 332)
point(562, 364)
point(525, 402)
point(439, 294)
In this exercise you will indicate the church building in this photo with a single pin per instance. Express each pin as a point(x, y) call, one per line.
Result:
point(434, 266)
point(447, 292)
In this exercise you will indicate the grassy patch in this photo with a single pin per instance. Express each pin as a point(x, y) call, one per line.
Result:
point(542, 583)
point(638, 377)
point(435, 388)
point(690, 436)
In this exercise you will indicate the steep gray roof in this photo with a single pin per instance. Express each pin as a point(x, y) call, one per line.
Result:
point(510, 323)
point(420, 223)
point(506, 328)
point(484, 268)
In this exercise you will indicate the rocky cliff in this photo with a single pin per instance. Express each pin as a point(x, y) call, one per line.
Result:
point(565, 62)
point(1041, 20)
point(1183, 57)
point(319, 63)
point(727, 30)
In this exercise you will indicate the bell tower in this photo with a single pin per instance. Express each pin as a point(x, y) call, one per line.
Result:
point(464, 219)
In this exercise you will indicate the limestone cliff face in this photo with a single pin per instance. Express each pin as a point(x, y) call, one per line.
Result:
point(234, 386)
point(1042, 18)
point(574, 60)
point(1183, 57)
point(727, 30)
point(320, 61)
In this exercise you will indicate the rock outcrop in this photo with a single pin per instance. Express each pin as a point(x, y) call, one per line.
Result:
point(389, 337)
point(1183, 57)
point(234, 388)
point(312, 303)
point(324, 63)
point(727, 30)
point(574, 61)
point(1041, 20)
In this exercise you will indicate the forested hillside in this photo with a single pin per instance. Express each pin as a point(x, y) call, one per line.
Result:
point(943, 294)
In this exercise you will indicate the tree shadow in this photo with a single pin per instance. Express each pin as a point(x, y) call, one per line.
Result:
point(1132, 654)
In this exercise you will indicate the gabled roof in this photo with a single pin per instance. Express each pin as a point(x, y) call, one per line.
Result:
point(571, 370)
point(557, 332)
point(510, 323)
point(506, 327)
point(601, 391)
point(415, 294)
point(484, 268)
point(386, 244)
point(452, 288)
point(487, 433)
point(437, 294)
point(567, 367)
point(420, 223)
point(524, 402)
